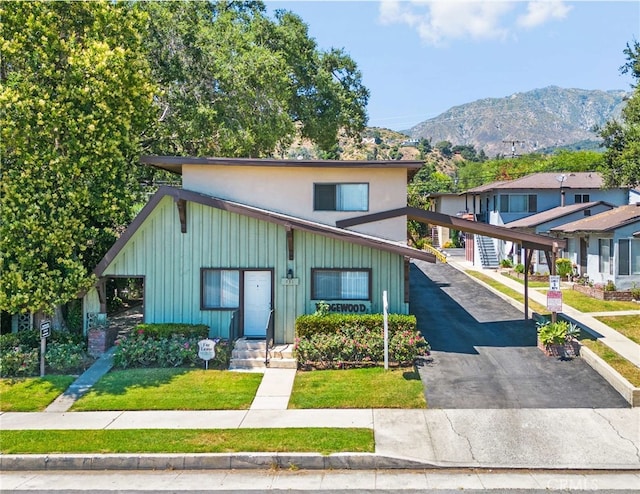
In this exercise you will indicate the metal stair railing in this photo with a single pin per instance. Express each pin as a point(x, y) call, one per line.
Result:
point(439, 255)
point(269, 337)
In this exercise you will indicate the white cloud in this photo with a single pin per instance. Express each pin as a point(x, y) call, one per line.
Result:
point(438, 21)
point(539, 12)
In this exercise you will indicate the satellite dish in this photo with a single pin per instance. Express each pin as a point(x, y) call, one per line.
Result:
point(561, 178)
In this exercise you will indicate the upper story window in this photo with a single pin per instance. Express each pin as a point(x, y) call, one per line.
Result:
point(341, 197)
point(580, 198)
point(518, 203)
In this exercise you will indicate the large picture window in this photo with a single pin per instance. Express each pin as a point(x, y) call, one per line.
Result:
point(339, 284)
point(518, 203)
point(341, 197)
point(220, 288)
point(628, 256)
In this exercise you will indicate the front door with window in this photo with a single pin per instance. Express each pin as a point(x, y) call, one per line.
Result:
point(256, 304)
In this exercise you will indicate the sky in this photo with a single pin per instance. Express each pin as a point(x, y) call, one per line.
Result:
point(420, 58)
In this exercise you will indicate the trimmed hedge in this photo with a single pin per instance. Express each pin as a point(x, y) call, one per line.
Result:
point(313, 324)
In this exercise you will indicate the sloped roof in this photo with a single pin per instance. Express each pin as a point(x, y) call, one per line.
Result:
point(260, 214)
point(546, 180)
point(603, 222)
point(174, 163)
point(553, 214)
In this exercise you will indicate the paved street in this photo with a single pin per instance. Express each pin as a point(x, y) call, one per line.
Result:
point(484, 352)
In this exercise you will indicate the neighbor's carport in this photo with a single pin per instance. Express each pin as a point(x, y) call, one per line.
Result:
point(530, 242)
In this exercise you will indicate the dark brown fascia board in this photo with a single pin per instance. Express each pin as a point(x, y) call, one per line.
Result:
point(174, 163)
point(529, 240)
point(260, 214)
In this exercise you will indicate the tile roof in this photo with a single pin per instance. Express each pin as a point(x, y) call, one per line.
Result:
point(547, 180)
point(553, 214)
point(603, 222)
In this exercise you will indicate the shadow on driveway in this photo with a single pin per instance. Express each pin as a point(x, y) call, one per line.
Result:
point(484, 352)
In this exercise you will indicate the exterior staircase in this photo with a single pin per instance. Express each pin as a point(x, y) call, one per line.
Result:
point(250, 355)
point(487, 251)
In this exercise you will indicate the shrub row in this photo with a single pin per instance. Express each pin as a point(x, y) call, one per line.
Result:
point(20, 354)
point(146, 347)
point(339, 341)
point(314, 324)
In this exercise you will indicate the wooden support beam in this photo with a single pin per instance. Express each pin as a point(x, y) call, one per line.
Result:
point(290, 242)
point(182, 213)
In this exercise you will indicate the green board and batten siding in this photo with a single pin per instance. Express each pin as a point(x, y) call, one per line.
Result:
point(170, 262)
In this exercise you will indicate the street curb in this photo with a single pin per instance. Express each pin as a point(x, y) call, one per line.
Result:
point(207, 461)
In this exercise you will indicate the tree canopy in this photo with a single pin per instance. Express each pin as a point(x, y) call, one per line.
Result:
point(621, 165)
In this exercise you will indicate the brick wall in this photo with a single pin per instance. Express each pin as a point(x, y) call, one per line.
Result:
point(100, 340)
point(594, 292)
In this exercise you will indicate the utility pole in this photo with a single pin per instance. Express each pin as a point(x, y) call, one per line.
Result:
point(513, 146)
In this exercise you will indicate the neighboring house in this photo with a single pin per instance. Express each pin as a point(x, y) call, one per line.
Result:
point(542, 223)
point(247, 243)
point(634, 196)
point(452, 204)
point(611, 242)
point(504, 202)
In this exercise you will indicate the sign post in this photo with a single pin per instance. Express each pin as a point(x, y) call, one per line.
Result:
point(207, 350)
point(45, 332)
point(385, 307)
point(554, 297)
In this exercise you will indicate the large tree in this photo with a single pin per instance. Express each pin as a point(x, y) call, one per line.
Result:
point(621, 165)
point(238, 83)
point(75, 98)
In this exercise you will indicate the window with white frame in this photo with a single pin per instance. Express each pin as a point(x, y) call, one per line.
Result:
point(605, 250)
point(341, 284)
point(220, 288)
point(518, 203)
point(628, 256)
point(341, 197)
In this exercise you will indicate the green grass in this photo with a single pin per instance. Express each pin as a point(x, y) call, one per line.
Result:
point(319, 440)
point(625, 368)
point(532, 284)
point(171, 389)
point(534, 306)
point(31, 394)
point(584, 303)
point(628, 326)
point(358, 388)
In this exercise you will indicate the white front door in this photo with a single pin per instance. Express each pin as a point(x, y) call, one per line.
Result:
point(256, 303)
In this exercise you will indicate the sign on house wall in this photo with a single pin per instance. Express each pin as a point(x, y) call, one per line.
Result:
point(344, 307)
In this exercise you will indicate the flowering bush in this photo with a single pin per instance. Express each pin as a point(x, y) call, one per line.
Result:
point(144, 349)
point(66, 357)
point(358, 346)
point(19, 362)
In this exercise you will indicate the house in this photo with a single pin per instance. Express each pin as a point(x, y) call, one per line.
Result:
point(543, 222)
point(504, 202)
point(450, 203)
point(607, 245)
point(246, 245)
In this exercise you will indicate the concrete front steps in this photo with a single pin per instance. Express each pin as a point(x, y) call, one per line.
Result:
point(249, 355)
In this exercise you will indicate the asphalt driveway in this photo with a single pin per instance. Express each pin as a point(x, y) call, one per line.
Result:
point(484, 352)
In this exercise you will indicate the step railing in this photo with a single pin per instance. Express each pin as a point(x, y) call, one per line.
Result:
point(439, 255)
point(270, 336)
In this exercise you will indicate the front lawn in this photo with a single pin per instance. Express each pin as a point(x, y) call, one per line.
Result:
point(625, 368)
point(171, 389)
point(317, 440)
point(584, 303)
point(358, 388)
point(629, 326)
point(31, 394)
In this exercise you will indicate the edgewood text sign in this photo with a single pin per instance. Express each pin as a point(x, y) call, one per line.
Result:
point(348, 308)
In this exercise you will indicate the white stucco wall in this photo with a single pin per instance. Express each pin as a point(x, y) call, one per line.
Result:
point(289, 190)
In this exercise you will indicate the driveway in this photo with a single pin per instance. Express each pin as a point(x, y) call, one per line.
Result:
point(484, 352)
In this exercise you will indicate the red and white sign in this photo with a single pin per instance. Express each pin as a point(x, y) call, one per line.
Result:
point(554, 301)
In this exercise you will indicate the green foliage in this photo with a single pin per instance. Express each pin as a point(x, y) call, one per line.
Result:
point(65, 358)
point(76, 96)
point(167, 345)
point(610, 286)
point(506, 263)
point(557, 333)
point(621, 166)
point(519, 268)
point(308, 325)
point(236, 82)
point(635, 291)
point(564, 267)
point(19, 361)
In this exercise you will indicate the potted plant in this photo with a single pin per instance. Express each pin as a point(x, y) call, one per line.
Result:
point(558, 339)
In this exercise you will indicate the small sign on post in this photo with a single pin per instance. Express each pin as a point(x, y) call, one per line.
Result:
point(207, 350)
point(45, 332)
point(554, 283)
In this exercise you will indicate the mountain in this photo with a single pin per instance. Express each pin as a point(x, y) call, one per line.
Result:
point(534, 121)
